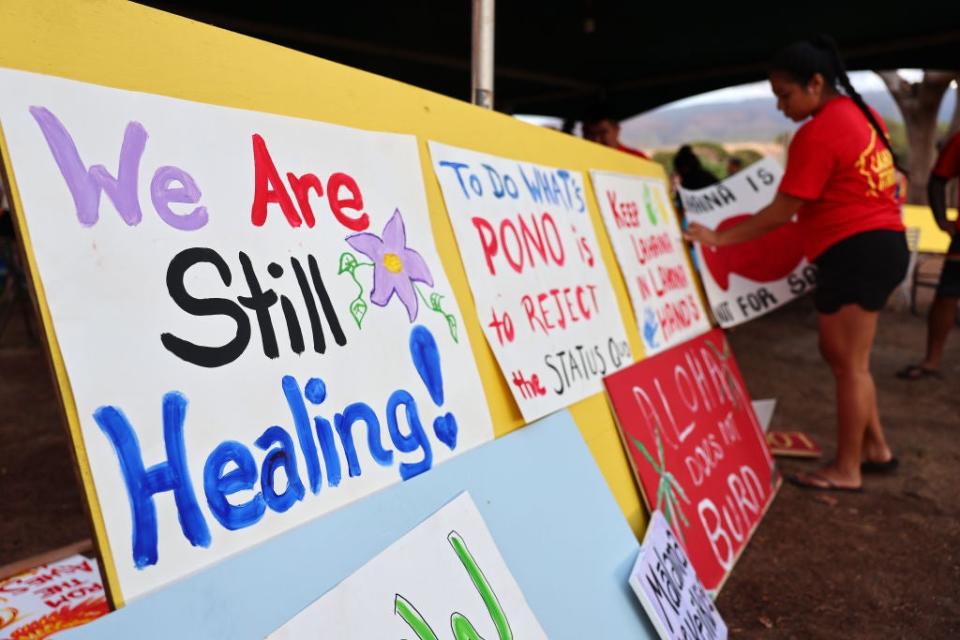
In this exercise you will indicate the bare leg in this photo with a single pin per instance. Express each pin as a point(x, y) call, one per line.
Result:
point(875, 447)
point(846, 338)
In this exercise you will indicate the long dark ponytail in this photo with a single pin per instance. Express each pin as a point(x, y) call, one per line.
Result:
point(801, 60)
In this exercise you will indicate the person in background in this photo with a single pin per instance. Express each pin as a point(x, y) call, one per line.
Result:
point(734, 164)
point(943, 311)
point(692, 174)
point(840, 181)
point(601, 127)
point(688, 173)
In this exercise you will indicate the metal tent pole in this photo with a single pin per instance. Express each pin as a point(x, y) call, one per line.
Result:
point(481, 80)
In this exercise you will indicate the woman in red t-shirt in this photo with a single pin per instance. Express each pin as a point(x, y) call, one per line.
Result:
point(840, 181)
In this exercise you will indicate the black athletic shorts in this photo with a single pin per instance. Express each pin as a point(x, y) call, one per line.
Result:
point(863, 269)
point(949, 286)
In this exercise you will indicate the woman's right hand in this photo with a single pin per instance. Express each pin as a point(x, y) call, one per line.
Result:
point(696, 232)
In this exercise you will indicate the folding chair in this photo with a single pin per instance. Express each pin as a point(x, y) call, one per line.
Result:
point(920, 277)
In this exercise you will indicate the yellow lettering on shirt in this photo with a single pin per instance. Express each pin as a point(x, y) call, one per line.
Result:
point(876, 166)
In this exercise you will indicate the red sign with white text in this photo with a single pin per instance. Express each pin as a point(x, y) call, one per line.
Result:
point(697, 449)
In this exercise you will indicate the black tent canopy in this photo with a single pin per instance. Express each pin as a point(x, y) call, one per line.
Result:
point(557, 57)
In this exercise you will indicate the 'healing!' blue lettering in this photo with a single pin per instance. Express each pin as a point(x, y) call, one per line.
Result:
point(218, 485)
point(252, 498)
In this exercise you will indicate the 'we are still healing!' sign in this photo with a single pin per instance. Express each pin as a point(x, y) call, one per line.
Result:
point(541, 289)
point(253, 317)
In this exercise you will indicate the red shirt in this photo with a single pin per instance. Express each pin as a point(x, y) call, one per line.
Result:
point(948, 163)
point(632, 151)
point(845, 174)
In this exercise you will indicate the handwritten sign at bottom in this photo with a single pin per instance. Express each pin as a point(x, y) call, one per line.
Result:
point(50, 598)
point(444, 579)
point(669, 590)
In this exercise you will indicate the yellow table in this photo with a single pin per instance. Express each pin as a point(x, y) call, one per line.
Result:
point(932, 239)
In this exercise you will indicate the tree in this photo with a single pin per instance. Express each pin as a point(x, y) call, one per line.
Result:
point(955, 120)
point(952, 129)
point(919, 102)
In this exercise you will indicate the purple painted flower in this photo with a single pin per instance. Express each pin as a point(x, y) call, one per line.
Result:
point(395, 267)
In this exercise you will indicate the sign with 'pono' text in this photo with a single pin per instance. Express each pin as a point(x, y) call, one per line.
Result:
point(539, 283)
point(697, 449)
point(652, 258)
point(253, 318)
point(748, 279)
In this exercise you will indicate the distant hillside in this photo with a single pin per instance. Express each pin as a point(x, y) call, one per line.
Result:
point(756, 119)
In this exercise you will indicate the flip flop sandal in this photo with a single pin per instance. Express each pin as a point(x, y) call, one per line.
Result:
point(868, 466)
point(828, 485)
point(916, 372)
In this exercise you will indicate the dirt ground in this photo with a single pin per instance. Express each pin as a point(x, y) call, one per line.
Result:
point(885, 563)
